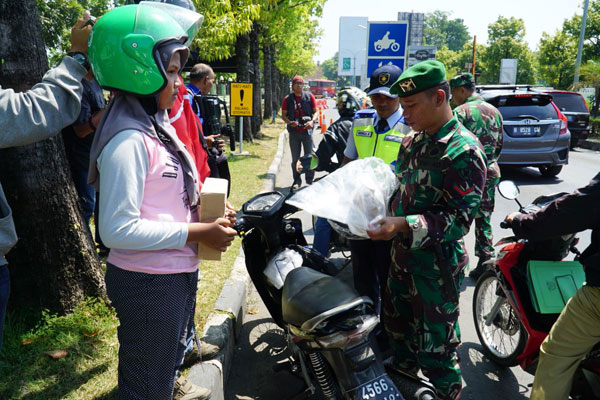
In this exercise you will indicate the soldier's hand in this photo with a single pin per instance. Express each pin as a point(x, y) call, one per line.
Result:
point(386, 228)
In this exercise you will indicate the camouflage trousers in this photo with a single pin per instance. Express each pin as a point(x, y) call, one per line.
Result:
point(484, 245)
point(421, 319)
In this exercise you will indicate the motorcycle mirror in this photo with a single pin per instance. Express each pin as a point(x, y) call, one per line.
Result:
point(508, 190)
point(309, 162)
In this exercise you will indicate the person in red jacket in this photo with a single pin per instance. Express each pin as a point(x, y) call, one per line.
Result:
point(189, 131)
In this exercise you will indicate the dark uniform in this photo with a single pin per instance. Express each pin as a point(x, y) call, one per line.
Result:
point(485, 122)
point(441, 178)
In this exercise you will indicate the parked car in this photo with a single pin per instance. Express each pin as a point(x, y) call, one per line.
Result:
point(574, 107)
point(535, 130)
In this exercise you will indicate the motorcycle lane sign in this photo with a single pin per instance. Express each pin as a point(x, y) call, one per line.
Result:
point(386, 41)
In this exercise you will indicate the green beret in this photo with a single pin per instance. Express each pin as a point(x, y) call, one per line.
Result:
point(419, 77)
point(461, 80)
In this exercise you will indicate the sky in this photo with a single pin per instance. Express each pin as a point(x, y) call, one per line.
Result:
point(539, 16)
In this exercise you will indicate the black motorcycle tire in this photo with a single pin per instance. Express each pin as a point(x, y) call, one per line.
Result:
point(506, 360)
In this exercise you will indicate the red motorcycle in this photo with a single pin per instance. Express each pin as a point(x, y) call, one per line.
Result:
point(509, 328)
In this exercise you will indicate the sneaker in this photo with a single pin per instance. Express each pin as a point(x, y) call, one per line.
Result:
point(479, 270)
point(185, 390)
point(208, 350)
point(296, 186)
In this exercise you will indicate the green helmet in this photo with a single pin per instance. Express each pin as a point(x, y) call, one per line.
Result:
point(123, 45)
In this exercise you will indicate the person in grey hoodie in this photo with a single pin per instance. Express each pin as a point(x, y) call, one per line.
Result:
point(34, 115)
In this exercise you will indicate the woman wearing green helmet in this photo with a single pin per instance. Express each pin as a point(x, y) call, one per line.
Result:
point(148, 193)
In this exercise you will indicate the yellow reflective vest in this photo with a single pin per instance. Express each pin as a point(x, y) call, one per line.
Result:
point(371, 144)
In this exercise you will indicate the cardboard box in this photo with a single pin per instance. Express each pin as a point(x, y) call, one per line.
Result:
point(213, 198)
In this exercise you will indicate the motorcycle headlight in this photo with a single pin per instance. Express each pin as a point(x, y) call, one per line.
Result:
point(263, 203)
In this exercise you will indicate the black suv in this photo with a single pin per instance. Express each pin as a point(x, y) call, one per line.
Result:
point(535, 131)
point(574, 107)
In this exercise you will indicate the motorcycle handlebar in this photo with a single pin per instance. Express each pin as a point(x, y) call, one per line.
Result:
point(504, 225)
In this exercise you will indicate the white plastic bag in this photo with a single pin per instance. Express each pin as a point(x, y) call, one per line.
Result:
point(356, 195)
point(281, 265)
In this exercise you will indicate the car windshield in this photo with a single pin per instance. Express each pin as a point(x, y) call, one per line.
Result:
point(517, 112)
point(569, 102)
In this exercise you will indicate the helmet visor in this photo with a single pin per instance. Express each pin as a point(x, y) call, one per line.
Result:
point(188, 21)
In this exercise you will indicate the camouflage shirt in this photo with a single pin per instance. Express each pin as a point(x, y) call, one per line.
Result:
point(485, 122)
point(441, 183)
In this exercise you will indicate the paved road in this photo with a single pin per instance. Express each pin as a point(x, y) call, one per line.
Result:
point(262, 345)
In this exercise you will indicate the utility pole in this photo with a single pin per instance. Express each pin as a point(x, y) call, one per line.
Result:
point(580, 48)
point(474, 52)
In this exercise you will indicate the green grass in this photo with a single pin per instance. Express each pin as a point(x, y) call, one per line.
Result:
point(89, 335)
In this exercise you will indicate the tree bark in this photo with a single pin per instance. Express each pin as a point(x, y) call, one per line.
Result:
point(54, 265)
point(255, 59)
point(268, 81)
point(243, 75)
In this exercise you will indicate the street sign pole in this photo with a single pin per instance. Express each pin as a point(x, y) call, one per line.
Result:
point(241, 129)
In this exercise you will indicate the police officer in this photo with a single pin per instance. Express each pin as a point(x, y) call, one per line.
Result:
point(375, 132)
point(485, 122)
point(441, 170)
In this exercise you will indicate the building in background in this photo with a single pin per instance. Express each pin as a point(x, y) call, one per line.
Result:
point(352, 49)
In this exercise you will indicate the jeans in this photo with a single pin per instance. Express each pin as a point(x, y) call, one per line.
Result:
point(4, 293)
point(79, 163)
point(322, 236)
point(297, 141)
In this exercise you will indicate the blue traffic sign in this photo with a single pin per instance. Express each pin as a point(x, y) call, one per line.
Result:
point(374, 63)
point(386, 41)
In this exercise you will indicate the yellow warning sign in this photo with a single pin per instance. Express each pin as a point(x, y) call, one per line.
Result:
point(241, 99)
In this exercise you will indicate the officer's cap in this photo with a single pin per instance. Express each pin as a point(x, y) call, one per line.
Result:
point(382, 78)
point(419, 77)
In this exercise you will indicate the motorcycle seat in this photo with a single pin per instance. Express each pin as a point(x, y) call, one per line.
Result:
point(308, 293)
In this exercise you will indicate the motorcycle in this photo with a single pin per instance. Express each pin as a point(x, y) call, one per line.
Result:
point(327, 324)
point(509, 326)
point(385, 43)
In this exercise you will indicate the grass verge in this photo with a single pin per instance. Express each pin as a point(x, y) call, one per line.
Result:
point(45, 356)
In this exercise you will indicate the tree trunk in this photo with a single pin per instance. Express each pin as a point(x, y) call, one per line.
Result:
point(268, 84)
point(243, 75)
point(277, 95)
point(54, 265)
point(255, 59)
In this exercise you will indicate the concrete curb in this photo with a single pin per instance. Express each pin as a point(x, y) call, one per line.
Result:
point(589, 144)
point(225, 323)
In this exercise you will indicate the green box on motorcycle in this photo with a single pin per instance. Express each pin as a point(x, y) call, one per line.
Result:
point(553, 283)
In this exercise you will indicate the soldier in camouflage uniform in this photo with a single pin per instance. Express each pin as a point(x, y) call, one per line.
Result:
point(441, 170)
point(485, 122)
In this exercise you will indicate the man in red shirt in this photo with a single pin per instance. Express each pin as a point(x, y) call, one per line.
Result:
point(297, 111)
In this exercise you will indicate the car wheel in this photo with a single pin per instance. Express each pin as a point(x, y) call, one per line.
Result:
point(573, 143)
point(550, 172)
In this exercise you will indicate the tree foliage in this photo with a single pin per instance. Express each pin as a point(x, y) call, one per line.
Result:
point(293, 29)
point(506, 40)
point(590, 76)
point(441, 31)
point(224, 21)
point(591, 44)
point(58, 16)
point(557, 59)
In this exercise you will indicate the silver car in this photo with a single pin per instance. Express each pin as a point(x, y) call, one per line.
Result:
point(535, 131)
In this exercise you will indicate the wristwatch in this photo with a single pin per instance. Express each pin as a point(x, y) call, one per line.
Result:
point(80, 58)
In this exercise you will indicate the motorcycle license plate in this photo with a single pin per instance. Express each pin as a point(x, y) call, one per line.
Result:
point(381, 388)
